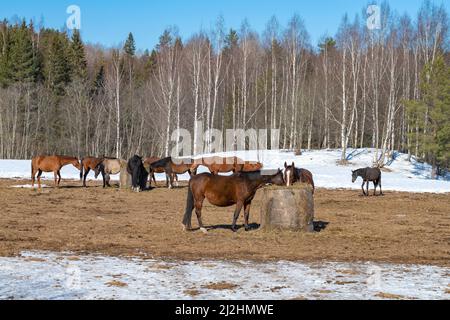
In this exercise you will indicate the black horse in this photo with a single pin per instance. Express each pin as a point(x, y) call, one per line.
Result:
point(368, 175)
point(139, 175)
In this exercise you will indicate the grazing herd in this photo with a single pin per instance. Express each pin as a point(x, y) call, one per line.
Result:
point(237, 189)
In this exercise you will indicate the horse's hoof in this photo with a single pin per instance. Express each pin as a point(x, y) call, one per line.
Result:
point(204, 230)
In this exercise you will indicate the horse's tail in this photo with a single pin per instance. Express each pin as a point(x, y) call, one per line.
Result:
point(189, 207)
point(81, 169)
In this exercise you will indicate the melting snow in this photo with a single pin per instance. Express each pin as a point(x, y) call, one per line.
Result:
point(38, 275)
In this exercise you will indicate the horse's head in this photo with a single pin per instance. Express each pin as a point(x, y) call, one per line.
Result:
point(99, 168)
point(354, 175)
point(289, 173)
point(76, 163)
point(278, 179)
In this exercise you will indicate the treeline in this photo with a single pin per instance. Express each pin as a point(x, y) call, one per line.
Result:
point(386, 88)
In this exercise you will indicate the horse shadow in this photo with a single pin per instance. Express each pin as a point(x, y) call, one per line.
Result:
point(320, 225)
point(252, 227)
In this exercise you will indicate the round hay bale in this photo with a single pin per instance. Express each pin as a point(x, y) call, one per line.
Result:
point(125, 177)
point(288, 208)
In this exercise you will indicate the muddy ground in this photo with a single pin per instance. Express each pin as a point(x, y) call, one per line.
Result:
point(397, 228)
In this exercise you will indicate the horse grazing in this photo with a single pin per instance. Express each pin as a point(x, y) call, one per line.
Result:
point(293, 175)
point(88, 164)
point(53, 164)
point(173, 168)
point(368, 175)
point(224, 191)
point(107, 167)
point(138, 173)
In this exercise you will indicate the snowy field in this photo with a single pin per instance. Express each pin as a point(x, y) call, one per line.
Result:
point(36, 275)
point(403, 176)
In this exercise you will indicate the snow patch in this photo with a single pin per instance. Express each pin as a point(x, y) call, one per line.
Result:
point(40, 275)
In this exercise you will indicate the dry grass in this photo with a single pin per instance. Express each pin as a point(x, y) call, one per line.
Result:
point(397, 228)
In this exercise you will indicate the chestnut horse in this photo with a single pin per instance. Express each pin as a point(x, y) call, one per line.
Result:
point(293, 175)
point(53, 164)
point(88, 164)
point(218, 165)
point(224, 191)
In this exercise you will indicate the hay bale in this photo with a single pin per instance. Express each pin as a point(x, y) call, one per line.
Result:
point(288, 208)
point(125, 177)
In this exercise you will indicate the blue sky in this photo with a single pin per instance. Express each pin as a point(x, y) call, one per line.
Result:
point(108, 22)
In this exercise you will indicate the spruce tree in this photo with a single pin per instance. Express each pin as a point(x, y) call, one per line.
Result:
point(130, 45)
point(22, 59)
point(77, 56)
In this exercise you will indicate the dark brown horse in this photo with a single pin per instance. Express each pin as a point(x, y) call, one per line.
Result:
point(88, 164)
point(293, 175)
point(147, 162)
point(368, 174)
point(53, 164)
point(224, 191)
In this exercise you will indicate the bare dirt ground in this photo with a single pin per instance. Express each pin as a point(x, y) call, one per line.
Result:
point(398, 227)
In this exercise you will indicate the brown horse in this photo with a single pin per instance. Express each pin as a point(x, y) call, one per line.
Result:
point(293, 175)
point(172, 167)
point(53, 164)
point(224, 191)
point(147, 162)
point(88, 164)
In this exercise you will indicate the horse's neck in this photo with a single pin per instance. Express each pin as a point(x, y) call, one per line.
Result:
point(66, 161)
point(260, 181)
point(297, 174)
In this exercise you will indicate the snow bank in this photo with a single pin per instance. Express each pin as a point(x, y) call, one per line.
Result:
point(36, 275)
point(404, 175)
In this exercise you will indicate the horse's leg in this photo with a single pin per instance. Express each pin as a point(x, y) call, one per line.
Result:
point(86, 172)
point(154, 179)
point(198, 212)
point(362, 187)
point(39, 179)
point(379, 183)
point(55, 174)
point(108, 178)
point(375, 185)
point(59, 177)
point(247, 216)
point(33, 174)
point(367, 187)
point(104, 179)
point(239, 206)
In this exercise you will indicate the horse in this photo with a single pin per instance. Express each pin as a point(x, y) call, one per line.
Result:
point(224, 191)
point(293, 175)
point(107, 167)
point(136, 169)
point(250, 166)
point(53, 164)
point(218, 165)
point(172, 168)
point(368, 175)
point(88, 164)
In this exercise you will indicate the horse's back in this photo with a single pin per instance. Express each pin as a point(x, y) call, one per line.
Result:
point(45, 163)
point(112, 166)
